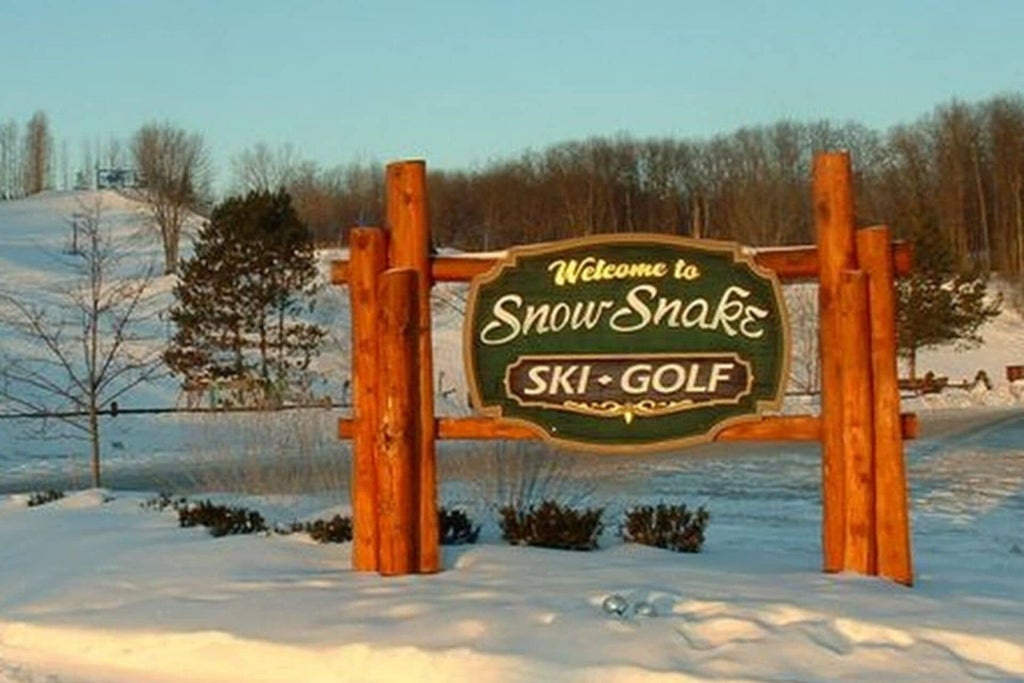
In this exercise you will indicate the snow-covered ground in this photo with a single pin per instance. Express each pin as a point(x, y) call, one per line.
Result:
point(96, 588)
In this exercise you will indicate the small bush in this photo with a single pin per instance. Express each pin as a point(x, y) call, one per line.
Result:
point(43, 497)
point(551, 525)
point(337, 529)
point(163, 501)
point(666, 526)
point(221, 520)
point(456, 528)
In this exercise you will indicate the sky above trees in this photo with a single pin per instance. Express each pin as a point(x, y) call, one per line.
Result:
point(461, 83)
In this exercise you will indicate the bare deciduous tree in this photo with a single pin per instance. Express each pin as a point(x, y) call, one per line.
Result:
point(38, 156)
point(11, 182)
point(75, 351)
point(65, 166)
point(85, 177)
point(805, 364)
point(114, 153)
point(175, 170)
point(261, 169)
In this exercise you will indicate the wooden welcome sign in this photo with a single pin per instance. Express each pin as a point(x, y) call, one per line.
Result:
point(621, 342)
point(624, 343)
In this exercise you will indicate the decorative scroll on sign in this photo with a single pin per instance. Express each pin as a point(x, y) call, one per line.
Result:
point(618, 342)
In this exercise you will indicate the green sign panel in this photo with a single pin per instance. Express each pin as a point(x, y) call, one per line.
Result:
point(622, 342)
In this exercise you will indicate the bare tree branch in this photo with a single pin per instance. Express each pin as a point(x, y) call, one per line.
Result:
point(84, 346)
point(175, 170)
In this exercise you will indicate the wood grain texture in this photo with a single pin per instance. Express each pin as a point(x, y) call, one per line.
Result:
point(858, 439)
point(789, 263)
point(369, 252)
point(410, 245)
point(892, 521)
point(832, 194)
point(398, 438)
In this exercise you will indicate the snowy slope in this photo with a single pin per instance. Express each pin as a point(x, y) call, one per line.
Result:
point(36, 234)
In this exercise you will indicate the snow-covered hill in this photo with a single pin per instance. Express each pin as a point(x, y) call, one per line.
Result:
point(1003, 345)
point(37, 232)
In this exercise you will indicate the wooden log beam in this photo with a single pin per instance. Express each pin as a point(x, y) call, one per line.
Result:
point(770, 428)
point(789, 263)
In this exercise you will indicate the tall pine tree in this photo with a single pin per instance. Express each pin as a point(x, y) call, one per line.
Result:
point(241, 297)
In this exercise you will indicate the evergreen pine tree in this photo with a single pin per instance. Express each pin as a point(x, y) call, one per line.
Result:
point(240, 298)
point(936, 305)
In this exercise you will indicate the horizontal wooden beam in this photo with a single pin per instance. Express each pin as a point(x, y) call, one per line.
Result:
point(789, 263)
point(483, 428)
point(770, 428)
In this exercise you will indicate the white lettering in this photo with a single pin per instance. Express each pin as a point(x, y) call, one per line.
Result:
point(691, 384)
point(754, 313)
point(504, 318)
point(537, 375)
point(671, 368)
point(560, 378)
point(642, 308)
point(719, 372)
point(634, 307)
point(560, 315)
point(636, 387)
point(729, 311)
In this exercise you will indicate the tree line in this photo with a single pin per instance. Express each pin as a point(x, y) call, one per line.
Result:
point(955, 176)
point(952, 181)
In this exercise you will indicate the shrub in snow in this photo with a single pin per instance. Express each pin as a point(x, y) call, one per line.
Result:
point(163, 501)
point(44, 497)
point(337, 529)
point(221, 520)
point(456, 528)
point(674, 527)
point(551, 525)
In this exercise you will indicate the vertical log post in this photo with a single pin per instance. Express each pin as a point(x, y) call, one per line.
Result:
point(410, 248)
point(834, 225)
point(368, 249)
point(859, 551)
point(398, 435)
point(874, 255)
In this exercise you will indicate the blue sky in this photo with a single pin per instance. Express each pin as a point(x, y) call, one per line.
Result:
point(463, 82)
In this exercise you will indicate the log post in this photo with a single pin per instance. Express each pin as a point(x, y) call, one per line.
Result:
point(368, 249)
point(398, 435)
point(834, 226)
point(859, 550)
point(874, 255)
point(410, 247)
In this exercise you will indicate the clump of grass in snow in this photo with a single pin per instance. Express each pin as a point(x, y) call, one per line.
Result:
point(43, 497)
